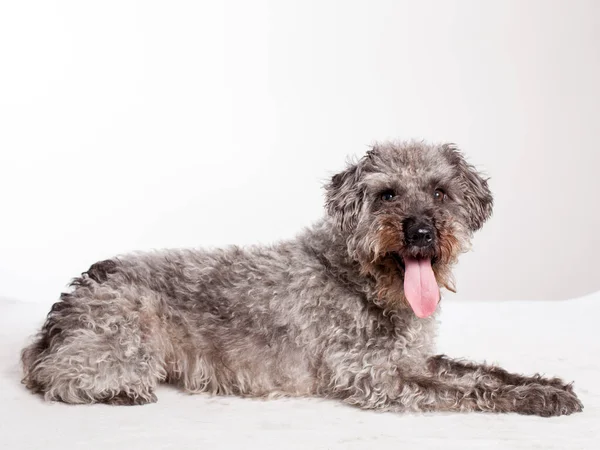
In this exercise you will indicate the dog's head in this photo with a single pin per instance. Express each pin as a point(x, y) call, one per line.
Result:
point(407, 210)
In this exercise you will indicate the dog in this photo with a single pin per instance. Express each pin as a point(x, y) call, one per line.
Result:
point(346, 310)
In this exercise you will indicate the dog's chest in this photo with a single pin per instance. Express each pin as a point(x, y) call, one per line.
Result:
point(403, 335)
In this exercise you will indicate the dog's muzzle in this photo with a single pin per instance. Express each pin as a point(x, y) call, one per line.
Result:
point(420, 285)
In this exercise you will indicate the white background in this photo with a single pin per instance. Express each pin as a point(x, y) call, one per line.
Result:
point(137, 125)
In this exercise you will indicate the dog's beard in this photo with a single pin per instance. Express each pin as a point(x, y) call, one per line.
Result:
point(407, 274)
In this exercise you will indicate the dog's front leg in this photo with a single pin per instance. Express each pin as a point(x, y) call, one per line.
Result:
point(448, 368)
point(508, 392)
point(386, 387)
point(429, 394)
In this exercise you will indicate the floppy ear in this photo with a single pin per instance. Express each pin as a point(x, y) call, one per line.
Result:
point(344, 197)
point(476, 193)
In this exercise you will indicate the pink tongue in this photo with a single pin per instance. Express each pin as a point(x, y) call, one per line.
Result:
point(420, 287)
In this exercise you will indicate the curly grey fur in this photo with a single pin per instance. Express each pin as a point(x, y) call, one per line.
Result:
point(323, 314)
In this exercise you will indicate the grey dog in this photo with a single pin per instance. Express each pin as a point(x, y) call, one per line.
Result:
point(346, 310)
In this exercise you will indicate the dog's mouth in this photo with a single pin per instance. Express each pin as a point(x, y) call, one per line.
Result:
point(420, 286)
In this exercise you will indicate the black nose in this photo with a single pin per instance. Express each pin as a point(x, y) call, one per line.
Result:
point(418, 232)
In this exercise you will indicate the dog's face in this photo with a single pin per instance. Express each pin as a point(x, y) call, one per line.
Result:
point(408, 210)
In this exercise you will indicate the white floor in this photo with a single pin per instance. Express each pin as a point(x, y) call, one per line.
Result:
point(558, 338)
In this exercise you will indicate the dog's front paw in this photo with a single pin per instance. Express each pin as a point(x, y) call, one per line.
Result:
point(545, 401)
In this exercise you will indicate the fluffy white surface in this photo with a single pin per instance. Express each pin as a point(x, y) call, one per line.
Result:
point(556, 338)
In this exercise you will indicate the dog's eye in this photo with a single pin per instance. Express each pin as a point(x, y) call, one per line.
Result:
point(439, 195)
point(387, 196)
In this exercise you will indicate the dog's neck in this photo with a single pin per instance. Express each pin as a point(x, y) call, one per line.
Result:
point(326, 242)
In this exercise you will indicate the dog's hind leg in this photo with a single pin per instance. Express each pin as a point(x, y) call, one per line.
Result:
point(99, 345)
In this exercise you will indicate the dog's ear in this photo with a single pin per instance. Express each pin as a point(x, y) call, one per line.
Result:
point(344, 197)
point(476, 193)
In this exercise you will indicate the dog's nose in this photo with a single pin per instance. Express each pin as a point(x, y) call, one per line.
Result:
point(418, 232)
